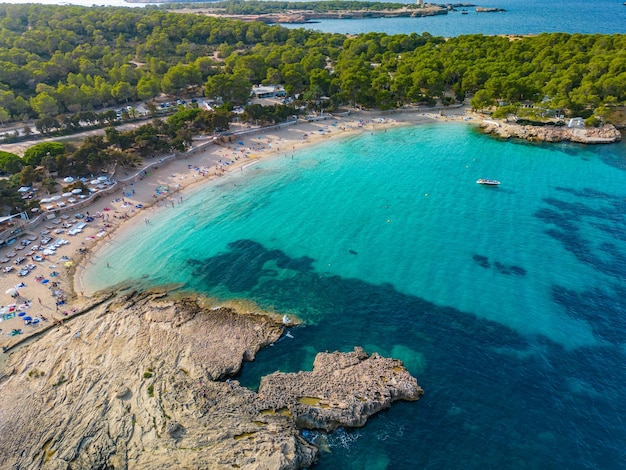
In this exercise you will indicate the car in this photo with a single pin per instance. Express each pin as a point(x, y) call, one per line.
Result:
point(79, 216)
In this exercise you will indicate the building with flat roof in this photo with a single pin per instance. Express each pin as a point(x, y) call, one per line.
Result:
point(269, 91)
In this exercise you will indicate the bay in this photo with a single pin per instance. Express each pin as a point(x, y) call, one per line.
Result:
point(507, 303)
point(520, 18)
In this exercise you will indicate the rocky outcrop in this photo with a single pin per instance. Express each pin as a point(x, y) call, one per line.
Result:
point(488, 9)
point(307, 16)
point(606, 134)
point(325, 398)
point(138, 382)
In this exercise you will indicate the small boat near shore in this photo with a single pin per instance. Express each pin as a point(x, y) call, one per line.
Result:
point(487, 182)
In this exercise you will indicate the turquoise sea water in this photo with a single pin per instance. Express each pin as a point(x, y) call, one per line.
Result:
point(508, 303)
point(520, 17)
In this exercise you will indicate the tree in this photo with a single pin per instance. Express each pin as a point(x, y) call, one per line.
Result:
point(45, 105)
point(122, 91)
point(147, 87)
point(179, 77)
point(481, 100)
point(228, 88)
point(27, 175)
point(35, 154)
point(10, 163)
point(45, 124)
point(4, 115)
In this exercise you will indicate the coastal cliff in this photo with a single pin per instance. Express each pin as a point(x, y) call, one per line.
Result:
point(606, 134)
point(139, 382)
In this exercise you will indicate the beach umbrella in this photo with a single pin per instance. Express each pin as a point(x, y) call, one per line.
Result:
point(68, 179)
point(11, 291)
point(21, 314)
point(28, 318)
point(77, 191)
point(68, 264)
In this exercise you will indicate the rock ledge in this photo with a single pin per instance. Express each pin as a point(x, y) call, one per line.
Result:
point(606, 134)
point(142, 382)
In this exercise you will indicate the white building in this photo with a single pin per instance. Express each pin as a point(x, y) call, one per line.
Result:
point(270, 91)
point(576, 122)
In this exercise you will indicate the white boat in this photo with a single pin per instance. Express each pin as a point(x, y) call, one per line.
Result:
point(488, 182)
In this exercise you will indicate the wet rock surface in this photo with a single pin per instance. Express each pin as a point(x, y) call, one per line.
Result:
point(139, 382)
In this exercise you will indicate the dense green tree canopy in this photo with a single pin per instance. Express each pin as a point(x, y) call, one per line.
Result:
point(34, 155)
point(10, 163)
point(70, 60)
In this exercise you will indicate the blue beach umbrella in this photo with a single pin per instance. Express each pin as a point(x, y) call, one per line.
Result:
point(21, 314)
point(28, 318)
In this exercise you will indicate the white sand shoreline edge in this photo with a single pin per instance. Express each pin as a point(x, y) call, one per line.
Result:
point(181, 175)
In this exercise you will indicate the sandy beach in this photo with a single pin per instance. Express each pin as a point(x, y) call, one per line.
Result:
point(53, 292)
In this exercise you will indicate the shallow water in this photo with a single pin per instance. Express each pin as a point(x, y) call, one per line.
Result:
point(506, 302)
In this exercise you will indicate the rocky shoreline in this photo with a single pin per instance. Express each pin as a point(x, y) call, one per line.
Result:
point(144, 380)
point(308, 16)
point(606, 134)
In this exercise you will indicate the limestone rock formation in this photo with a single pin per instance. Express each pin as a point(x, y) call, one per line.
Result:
point(326, 397)
point(585, 135)
point(138, 383)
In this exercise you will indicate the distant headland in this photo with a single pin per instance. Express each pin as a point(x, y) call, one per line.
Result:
point(303, 12)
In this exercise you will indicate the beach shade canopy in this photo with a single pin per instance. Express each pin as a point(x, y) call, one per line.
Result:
point(11, 291)
point(77, 191)
point(69, 264)
point(68, 179)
